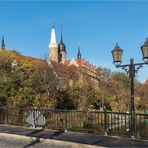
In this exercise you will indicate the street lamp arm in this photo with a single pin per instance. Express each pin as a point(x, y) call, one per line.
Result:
point(139, 65)
point(124, 67)
point(127, 65)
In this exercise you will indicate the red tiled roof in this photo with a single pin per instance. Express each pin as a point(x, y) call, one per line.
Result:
point(79, 62)
point(67, 62)
point(84, 64)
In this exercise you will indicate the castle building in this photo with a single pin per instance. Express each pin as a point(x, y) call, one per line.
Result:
point(58, 59)
point(57, 56)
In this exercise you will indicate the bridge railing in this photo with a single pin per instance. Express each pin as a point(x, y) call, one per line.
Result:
point(97, 122)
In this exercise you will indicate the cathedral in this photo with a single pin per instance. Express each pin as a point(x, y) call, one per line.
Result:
point(57, 52)
point(57, 56)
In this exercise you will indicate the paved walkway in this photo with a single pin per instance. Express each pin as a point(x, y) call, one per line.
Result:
point(13, 142)
point(87, 139)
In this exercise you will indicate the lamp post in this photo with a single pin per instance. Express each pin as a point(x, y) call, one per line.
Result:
point(131, 69)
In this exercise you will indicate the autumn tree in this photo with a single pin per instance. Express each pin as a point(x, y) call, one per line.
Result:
point(35, 82)
point(143, 95)
point(119, 90)
point(47, 84)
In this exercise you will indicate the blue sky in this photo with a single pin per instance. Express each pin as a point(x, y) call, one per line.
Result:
point(96, 26)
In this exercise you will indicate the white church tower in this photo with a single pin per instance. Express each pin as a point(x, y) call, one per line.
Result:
point(53, 46)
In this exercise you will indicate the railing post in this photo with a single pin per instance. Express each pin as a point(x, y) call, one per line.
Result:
point(65, 121)
point(7, 122)
point(34, 122)
point(18, 119)
point(105, 122)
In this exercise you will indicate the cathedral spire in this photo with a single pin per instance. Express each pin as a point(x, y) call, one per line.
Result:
point(3, 42)
point(53, 46)
point(79, 54)
point(53, 42)
point(61, 45)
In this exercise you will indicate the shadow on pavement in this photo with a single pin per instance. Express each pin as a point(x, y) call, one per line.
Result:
point(38, 134)
point(33, 142)
point(55, 135)
point(34, 132)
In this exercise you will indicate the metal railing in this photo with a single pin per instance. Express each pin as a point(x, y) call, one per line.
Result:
point(97, 122)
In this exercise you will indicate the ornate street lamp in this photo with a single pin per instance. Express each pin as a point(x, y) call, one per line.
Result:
point(144, 49)
point(117, 54)
point(131, 69)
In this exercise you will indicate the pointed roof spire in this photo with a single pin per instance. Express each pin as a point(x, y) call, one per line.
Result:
point(3, 42)
point(53, 42)
point(61, 34)
point(53, 24)
point(79, 53)
point(61, 45)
